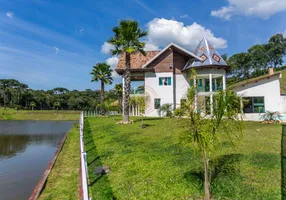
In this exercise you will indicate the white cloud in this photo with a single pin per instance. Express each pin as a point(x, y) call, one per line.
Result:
point(163, 31)
point(259, 8)
point(184, 16)
point(284, 34)
point(10, 14)
point(113, 61)
point(224, 12)
point(56, 49)
point(106, 48)
point(150, 47)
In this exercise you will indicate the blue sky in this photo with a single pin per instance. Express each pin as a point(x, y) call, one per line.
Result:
point(48, 44)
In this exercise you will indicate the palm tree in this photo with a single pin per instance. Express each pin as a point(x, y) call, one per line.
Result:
point(126, 41)
point(32, 104)
point(102, 72)
point(57, 105)
point(118, 90)
point(165, 110)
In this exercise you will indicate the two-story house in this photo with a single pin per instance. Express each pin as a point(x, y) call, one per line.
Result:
point(166, 75)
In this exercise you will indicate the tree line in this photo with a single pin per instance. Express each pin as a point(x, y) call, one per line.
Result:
point(257, 59)
point(17, 95)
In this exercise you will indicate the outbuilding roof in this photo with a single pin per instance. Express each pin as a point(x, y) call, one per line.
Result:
point(253, 80)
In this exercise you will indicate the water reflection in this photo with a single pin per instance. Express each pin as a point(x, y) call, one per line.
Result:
point(12, 144)
point(26, 147)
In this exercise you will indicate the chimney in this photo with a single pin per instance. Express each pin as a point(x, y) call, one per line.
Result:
point(270, 70)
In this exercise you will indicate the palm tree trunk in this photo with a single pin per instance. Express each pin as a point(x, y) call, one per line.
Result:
point(102, 98)
point(127, 83)
point(207, 180)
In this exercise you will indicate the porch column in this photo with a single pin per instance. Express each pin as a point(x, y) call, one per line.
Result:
point(215, 84)
point(196, 99)
point(123, 95)
point(223, 82)
point(211, 93)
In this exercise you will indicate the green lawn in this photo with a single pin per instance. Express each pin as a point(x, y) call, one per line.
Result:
point(11, 114)
point(63, 180)
point(153, 163)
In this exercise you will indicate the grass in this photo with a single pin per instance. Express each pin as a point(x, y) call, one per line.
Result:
point(11, 114)
point(153, 163)
point(62, 182)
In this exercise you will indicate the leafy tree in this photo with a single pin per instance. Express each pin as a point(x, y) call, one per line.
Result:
point(276, 49)
point(204, 131)
point(259, 57)
point(241, 65)
point(102, 72)
point(126, 40)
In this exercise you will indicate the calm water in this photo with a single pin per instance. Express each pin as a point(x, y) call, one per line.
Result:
point(26, 148)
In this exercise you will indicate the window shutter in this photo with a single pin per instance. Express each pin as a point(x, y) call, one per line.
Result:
point(169, 80)
point(160, 81)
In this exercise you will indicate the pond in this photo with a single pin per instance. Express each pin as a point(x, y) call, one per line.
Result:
point(26, 148)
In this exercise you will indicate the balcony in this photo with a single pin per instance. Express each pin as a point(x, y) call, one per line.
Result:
point(203, 85)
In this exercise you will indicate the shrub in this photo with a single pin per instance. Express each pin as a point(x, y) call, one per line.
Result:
point(165, 110)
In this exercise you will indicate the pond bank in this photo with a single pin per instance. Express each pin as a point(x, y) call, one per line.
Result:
point(63, 180)
point(11, 114)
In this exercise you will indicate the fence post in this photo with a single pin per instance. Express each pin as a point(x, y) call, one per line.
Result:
point(283, 163)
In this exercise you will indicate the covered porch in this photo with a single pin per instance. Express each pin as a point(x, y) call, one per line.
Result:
point(206, 85)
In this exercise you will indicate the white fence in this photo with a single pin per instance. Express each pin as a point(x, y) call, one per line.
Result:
point(84, 171)
point(93, 113)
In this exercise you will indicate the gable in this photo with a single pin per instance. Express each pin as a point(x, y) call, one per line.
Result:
point(170, 60)
point(137, 59)
point(163, 62)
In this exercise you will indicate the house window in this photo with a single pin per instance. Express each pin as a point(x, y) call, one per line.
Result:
point(254, 105)
point(165, 81)
point(199, 82)
point(157, 103)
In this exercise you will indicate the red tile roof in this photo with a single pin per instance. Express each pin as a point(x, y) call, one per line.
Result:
point(137, 59)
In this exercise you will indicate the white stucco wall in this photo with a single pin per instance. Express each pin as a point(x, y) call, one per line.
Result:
point(165, 93)
point(283, 104)
point(267, 88)
point(182, 86)
point(154, 90)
